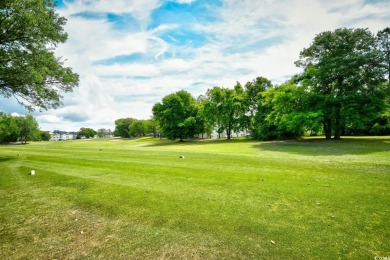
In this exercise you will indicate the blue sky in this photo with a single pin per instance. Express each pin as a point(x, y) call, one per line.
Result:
point(131, 53)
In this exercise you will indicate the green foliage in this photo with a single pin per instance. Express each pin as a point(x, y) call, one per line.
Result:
point(29, 70)
point(383, 38)
point(343, 90)
point(177, 116)
point(9, 128)
point(225, 108)
point(44, 136)
point(102, 132)
point(86, 133)
point(343, 71)
point(284, 113)
point(253, 92)
point(122, 127)
point(139, 128)
point(17, 128)
point(28, 128)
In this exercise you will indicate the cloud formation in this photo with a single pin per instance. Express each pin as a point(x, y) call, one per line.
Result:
point(129, 53)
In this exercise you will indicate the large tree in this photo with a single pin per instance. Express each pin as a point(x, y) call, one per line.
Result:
point(383, 38)
point(9, 128)
point(284, 112)
point(122, 127)
point(253, 92)
point(18, 128)
point(345, 74)
point(177, 115)
point(29, 32)
point(226, 107)
point(28, 128)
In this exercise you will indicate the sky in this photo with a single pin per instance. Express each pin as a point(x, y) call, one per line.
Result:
point(131, 53)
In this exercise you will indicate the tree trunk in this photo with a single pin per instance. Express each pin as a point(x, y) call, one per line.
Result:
point(328, 129)
point(228, 132)
point(337, 125)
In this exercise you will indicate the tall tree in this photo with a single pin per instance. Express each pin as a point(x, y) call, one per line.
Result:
point(28, 128)
point(9, 128)
point(343, 69)
point(253, 91)
point(284, 113)
point(177, 115)
point(138, 128)
point(384, 46)
point(226, 105)
point(122, 127)
point(29, 32)
point(205, 116)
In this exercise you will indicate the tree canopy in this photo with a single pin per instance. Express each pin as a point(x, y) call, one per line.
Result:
point(225, 107)
point(86, 132)
point(29, 71)
point(344, 89)
point(18, 128)
point(177, 116)
point(344, 73)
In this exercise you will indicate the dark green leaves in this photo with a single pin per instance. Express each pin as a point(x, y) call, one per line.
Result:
point(177, 115)
point(29, 71)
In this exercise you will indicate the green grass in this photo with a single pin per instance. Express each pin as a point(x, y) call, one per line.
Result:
point(121, 199)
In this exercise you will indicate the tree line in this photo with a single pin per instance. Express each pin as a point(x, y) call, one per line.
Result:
point(25, 128)
point(131, 127)
point(20, 128)
point(343, 90)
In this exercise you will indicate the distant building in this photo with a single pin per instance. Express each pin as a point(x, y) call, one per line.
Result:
point(62, 136)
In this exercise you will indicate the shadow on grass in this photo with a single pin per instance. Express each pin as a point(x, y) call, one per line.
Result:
point(322, 147)
point(5, 159)
point(197, 142)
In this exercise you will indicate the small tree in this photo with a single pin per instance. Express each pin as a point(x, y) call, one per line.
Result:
point(44, 136)
point(86, 133)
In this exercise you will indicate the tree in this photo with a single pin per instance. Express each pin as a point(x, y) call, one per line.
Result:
point(253, 92)
point(28, 128)
point(101, 132)
point(226, 107)
point(29, 70)
point(284, 113)
point(177, 115)
point(205, 117)
point(18, 128)
point(9, 129)
point(344, 73)
point(154, 128)
point(383, 38)
point(44, 136)
point(138, 128)
point(86, 133)
point(122, 127)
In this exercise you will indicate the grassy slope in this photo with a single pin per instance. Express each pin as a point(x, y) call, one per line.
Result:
point(136, 198)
